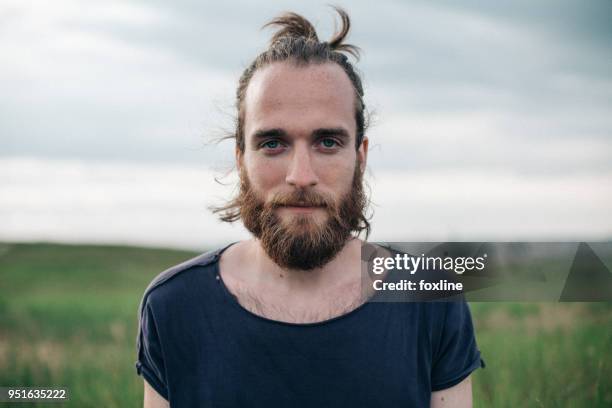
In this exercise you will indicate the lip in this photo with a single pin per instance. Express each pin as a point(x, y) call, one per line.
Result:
point(301, 209)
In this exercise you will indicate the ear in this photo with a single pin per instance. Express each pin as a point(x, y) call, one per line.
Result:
point(362, 154)
point(239, 156)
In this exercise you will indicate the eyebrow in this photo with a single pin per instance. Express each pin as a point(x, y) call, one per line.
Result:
point(265, 133)
point(338, 132)
point(321, 132)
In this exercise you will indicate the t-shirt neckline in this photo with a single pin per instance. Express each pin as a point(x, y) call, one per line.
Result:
point(234, 302)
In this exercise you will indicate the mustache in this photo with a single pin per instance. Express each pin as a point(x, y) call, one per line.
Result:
point(302, 198)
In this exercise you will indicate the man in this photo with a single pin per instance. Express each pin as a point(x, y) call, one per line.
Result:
point(281, 320)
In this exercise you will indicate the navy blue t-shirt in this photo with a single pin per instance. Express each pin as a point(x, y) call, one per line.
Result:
point(198, 347)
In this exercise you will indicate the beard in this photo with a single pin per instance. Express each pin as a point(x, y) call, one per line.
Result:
point(302, 242)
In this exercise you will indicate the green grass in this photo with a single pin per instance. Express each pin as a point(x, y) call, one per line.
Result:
point(544, 355)
point(68, 318)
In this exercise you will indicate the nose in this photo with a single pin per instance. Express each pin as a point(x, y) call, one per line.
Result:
point(301, 173)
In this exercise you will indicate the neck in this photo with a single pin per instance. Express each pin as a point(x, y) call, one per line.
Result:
point(297, 296)
point(343, 269)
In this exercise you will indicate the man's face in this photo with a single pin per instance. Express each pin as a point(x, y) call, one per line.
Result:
point(300, 169)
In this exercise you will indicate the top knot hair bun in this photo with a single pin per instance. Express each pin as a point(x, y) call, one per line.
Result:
point(292, 27)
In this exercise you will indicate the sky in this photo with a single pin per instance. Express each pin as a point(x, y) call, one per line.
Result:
point(490, 120)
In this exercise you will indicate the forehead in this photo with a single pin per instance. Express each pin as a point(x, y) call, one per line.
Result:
point(284, 94)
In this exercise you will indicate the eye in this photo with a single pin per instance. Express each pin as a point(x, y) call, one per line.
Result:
point(329, 143)
point(271, 144)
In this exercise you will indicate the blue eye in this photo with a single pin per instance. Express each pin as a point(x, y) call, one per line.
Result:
point(271, 144)
point(329, 143)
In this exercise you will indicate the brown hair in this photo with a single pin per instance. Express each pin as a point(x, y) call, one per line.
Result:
point(297, 41)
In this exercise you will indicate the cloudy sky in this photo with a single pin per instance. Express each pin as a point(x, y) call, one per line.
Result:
point(491, 122)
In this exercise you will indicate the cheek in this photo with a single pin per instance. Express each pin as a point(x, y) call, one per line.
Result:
point(338, 174)
point(265, 174)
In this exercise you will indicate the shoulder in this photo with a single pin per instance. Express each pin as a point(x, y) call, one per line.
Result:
point(441, 321)
point(446, 313)
point(172, 282)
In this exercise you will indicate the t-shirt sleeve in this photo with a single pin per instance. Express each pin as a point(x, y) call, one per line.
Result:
point(457, 353)
point(150, 363)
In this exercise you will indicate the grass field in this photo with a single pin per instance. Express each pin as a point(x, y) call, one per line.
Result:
point(68, 318)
